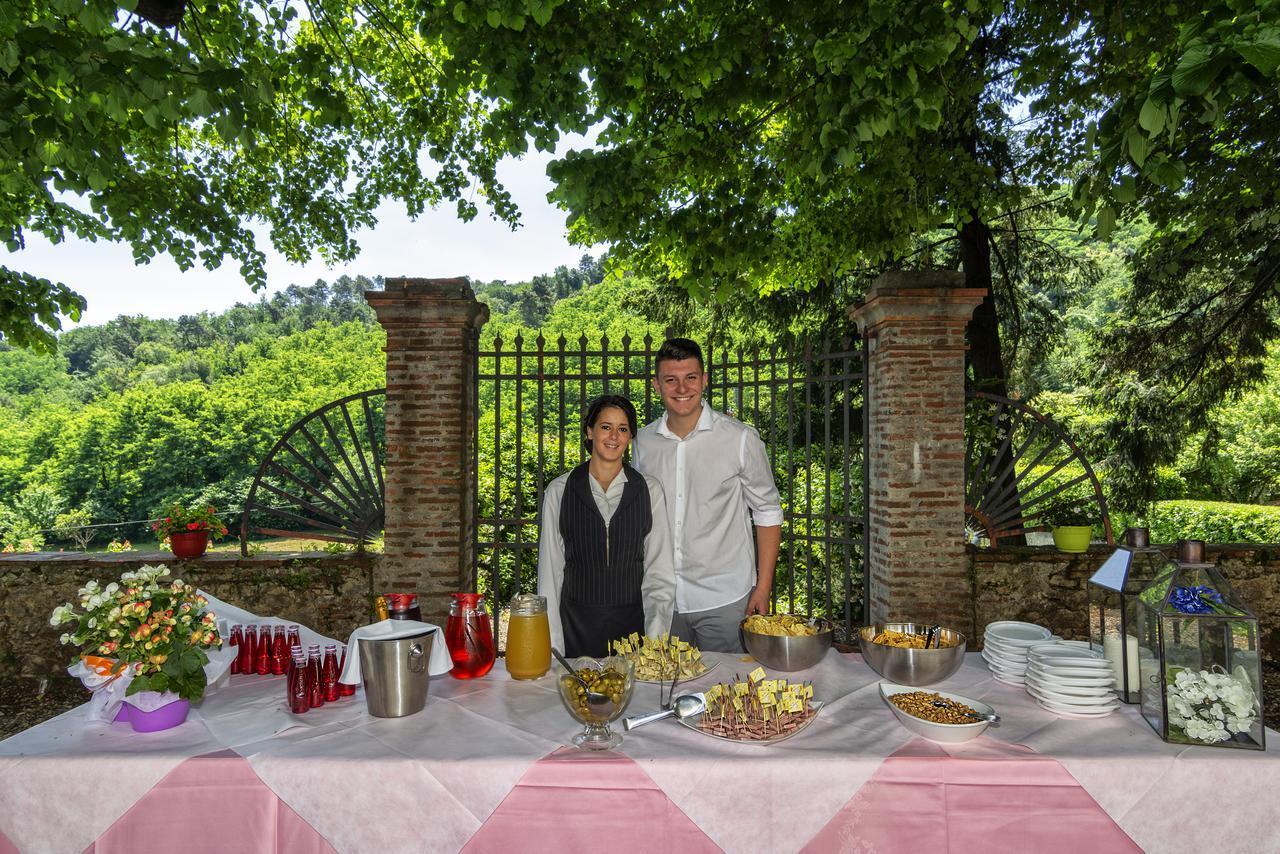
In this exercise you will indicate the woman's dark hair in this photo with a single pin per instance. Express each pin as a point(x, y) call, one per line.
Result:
point(677, 350)
point(600, 404)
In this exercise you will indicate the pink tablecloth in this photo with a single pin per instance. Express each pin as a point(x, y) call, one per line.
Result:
point(981, 796)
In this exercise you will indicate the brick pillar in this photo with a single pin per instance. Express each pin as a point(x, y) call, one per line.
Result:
point(914, 323)
point(432, 327)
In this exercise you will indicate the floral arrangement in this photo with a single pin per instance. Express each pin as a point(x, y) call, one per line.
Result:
point(180, 520)
point(1196, 599)
point(1211, 705)
point(157, 629)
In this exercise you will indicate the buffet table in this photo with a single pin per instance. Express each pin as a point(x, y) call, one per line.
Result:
point(484, 767)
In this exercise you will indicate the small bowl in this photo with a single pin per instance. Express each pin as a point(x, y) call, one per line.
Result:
point(915, 667)
point(945, 733)
point(787, 653)
point(596, 734)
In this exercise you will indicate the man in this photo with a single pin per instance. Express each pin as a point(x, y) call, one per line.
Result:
point(718, 483)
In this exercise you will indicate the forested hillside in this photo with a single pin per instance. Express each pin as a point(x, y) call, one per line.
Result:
point(134, 414)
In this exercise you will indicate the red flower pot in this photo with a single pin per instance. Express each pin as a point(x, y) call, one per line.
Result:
point(188, 544)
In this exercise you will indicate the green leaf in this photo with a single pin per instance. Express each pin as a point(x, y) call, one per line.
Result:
point(1264, 53)
point(1139, 145)
point(1196, 70)
point(1106, 223)
point(1152, 117)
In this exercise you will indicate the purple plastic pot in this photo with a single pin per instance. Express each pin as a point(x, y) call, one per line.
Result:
point(164, 717)
point(122, 716)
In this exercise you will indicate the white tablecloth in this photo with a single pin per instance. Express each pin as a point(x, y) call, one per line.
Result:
point(354, 777)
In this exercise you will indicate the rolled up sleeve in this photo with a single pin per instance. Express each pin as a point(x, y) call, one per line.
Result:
point(759, 489)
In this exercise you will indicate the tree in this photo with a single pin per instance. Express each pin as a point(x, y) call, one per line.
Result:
point(300, 115)
point(757, 148)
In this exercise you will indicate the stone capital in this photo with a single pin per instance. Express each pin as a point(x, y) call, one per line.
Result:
point(905, 297)
point(409, 302)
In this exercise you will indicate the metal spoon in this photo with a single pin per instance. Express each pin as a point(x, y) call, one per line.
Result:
point(995, 719)
point(684, 706)
point(594, 698)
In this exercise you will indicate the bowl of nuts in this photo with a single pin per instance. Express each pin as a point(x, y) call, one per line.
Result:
point(596, 696)
point(938, 715)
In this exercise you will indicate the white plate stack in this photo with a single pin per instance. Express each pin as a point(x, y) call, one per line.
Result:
point(1005, 645)
point(1071, 680)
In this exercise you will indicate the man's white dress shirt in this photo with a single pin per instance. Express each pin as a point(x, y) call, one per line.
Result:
point(718, 481)
point(658, 588)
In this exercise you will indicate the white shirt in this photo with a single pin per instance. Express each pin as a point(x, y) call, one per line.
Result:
point(657, 590)
point(720, 480)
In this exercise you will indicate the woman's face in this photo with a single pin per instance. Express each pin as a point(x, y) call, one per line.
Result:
point(610, 435)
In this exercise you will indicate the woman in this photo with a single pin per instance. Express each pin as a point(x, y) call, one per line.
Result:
point(604, 550)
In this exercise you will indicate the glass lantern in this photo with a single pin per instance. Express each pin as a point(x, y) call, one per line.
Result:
point(1114, 611)
point(1198, 657)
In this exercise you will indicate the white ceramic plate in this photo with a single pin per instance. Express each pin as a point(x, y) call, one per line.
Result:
point(1069, 689)
point(1009, 680)
point(1067, 700)
point(692, 723)
point(1005, 650)
point(1078, 675)
point(1004, 666)
point(1016, 633)
point(1086, 663)
point(1075, 713)
point(709, 667)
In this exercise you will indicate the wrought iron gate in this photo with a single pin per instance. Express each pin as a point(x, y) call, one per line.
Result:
point(807, 407)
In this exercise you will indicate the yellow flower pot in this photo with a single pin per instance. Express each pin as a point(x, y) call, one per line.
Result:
point(1072, 538)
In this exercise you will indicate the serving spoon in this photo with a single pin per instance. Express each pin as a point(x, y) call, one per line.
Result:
point(684, 706)
point(594, 698)
point(995, 719)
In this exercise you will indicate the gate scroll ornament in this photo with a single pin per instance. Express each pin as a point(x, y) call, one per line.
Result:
point(323, 480)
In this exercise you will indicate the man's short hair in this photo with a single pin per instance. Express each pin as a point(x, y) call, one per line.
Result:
point(602, 403)
point(677, 350)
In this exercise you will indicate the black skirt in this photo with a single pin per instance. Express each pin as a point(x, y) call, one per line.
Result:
point(589, 628)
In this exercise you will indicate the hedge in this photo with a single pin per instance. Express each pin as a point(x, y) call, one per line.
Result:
point(1214, 522)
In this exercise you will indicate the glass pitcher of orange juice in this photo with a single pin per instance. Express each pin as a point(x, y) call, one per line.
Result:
point(528, 637)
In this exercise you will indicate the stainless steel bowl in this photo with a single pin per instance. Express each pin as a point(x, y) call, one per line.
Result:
point(782, 652)
point(913, 667)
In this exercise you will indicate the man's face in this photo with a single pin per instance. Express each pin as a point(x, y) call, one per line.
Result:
point(680, 384)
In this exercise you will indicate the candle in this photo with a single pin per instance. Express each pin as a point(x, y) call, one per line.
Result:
point(1111, 649)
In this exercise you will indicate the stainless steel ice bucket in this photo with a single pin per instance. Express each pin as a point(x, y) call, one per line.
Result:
point(394, 672)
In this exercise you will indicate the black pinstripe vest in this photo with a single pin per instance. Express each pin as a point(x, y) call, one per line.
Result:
point(604, 565)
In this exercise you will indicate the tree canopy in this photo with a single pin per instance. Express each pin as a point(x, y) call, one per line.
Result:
point(302, 116)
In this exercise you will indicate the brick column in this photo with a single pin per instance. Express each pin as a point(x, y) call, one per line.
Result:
point(914, 323)
point(432, 327)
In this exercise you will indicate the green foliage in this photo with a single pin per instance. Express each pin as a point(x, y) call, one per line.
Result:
point(302, 116)
point(1214, 522)
point(73, 526)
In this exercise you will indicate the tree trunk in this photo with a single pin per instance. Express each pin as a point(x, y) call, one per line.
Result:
point(985, 359)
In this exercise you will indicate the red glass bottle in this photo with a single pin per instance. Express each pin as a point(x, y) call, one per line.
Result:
point(237, 637)
point(262, 654)
point(291, 635)
point(279, 651)
point(248, 647)
point(469, 636)
point(315, 688)
point(299, 688)
point(344, 690)
point(329, 673)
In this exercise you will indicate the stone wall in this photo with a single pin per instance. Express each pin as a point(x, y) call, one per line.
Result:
point(1045, 586)
point(329, 593)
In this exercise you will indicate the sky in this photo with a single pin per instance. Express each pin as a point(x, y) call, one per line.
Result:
point(436, 245)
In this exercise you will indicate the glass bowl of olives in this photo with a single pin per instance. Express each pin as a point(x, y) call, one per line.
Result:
point(602, 700)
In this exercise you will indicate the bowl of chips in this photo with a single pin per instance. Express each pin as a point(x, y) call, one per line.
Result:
point(786, 642)
point(897, 652)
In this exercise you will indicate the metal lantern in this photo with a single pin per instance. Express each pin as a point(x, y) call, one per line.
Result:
point(1114, 616)
point(1198, 656)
